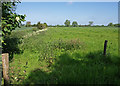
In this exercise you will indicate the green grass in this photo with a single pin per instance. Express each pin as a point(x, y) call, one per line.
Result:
point(67, 55)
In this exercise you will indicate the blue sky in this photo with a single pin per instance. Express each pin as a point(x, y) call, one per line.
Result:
point(54, 13)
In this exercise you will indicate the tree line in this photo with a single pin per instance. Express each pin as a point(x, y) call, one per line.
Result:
point(67, 23)
point(75, 24)
point(38, 25)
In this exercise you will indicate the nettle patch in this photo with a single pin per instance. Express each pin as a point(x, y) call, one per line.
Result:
point(65, 45)
point(51, 50)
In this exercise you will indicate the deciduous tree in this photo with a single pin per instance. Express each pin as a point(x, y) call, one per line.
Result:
point(110, 24)
point(67, 23)
point(90, 23)
point(74, 24)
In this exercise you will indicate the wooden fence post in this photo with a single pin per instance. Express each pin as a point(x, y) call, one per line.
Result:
point(105, 47)
point(5, 64)
point(0, 70)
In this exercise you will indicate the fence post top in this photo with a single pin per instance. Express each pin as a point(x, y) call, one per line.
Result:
point(4, 53)
point(106, 40)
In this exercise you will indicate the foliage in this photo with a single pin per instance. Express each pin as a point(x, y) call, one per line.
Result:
point(110, 24)
point(34, 25)
point(41, 26)
point(74, 24)
point(90, 23)
point(28, 24)
point(67, 23)
point(117, 25)
point(12, 46)
point(45, 24)
point(58, 25)
point(10, 20)
point(38, 23)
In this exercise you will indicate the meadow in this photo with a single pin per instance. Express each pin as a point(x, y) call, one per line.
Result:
point(64, 55)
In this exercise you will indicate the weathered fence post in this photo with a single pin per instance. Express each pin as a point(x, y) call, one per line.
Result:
point(105, 46)
point(5, 64)
point(0, 70)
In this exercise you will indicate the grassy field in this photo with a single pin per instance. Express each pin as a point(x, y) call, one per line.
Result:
point(65, 55)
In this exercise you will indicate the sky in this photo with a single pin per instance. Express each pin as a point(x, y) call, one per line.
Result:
point(70, 0)
point(53, 13)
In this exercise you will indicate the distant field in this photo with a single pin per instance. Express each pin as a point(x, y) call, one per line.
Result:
point(66, 55)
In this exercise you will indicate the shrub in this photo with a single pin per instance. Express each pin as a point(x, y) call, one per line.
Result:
point(41, 26)
point(46, 24)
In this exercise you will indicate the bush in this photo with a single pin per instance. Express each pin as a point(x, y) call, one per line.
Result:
point(12, 45)
point(41, 26)
point(46, 24)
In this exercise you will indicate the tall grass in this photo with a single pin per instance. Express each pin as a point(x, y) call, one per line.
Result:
point(67, 56)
